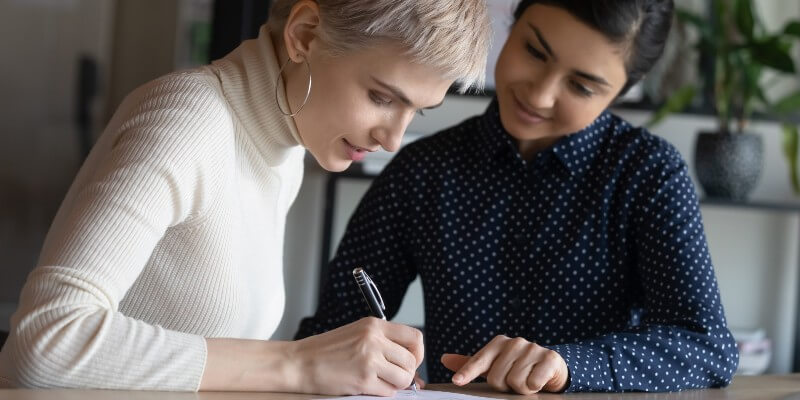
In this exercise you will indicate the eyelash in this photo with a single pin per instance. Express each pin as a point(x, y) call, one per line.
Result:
point(579, 89)
point(384, 102)
point(536, 53)
point(378, 99)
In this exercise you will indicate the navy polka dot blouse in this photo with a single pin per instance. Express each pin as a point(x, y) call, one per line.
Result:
point(594, 248)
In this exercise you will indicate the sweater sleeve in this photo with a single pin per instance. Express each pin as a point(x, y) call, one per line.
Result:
point(155, 171)
point(682, 341)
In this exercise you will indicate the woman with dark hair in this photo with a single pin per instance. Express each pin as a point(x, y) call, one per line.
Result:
point(559, 246)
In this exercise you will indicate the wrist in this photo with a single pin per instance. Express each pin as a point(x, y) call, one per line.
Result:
point(250, 365)
point(290, 365)
point(278, 368)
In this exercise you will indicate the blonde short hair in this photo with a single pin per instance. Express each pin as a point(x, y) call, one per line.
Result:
point(450, 35)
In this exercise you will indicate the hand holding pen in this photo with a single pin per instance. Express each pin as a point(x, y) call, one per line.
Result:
point(375, 302)
point(369, 357)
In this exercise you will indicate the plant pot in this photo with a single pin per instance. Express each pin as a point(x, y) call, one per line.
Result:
point(728, 165)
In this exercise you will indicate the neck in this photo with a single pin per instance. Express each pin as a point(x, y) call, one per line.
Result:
point(279, 46)
point(247, 78)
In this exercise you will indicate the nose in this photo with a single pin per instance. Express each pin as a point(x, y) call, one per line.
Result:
point(390, 136)
point(543, 93)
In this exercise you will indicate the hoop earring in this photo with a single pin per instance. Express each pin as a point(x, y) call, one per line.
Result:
point(308, 89)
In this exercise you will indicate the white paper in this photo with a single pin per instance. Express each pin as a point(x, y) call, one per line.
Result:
point(421, 395)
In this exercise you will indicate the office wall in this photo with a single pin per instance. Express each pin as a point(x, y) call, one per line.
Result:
point(144, 45)
point(40, 42)
point(132, 41)
point(755, 252)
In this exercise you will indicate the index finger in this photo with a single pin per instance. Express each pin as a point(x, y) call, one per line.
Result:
point(408, 337)
point(480, 363)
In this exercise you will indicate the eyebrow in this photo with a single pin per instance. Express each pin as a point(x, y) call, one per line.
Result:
point(590, 77)
point(400, 95)
point(549, 50)
point(542, 41)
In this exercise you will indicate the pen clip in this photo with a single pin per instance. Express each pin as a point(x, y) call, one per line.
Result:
point(378, 292)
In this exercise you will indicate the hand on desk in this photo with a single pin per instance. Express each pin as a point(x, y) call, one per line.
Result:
point(369, 356)
point(511, 364)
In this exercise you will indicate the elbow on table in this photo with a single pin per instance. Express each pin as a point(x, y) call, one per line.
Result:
point(724, 369)
point(41, 354)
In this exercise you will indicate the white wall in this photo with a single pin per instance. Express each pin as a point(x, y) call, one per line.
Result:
point(40, 42)
point(144, 45)
point(133, 41)
point(755, 252)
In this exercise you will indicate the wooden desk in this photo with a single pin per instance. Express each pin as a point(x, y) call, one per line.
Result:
point(768, 387)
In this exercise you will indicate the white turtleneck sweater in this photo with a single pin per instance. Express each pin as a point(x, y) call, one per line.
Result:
point(172, 232)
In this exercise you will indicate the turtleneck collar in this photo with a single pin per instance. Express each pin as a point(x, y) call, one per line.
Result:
point(247, 76)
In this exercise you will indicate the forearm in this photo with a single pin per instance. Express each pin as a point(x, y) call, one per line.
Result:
point(654, 359)
point(250, 365)
point(370, 357)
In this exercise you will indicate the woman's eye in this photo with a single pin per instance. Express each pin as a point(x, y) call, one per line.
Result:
point(581, 90)
point(536, 53)
point(379, 100)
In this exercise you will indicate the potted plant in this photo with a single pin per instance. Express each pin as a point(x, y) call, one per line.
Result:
point(728, 162)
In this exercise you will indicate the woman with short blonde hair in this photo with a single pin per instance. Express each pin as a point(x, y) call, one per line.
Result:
point(163, 267)
point(430, 31)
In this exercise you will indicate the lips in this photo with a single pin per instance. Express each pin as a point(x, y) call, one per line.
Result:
point(526, 114)
point(355, 153)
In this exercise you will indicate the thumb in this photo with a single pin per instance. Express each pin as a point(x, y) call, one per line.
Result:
point(454, 362)
point(560, 380)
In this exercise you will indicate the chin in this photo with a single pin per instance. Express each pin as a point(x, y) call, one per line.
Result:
point(513, 127)
point(335, 165)
point(521, 131)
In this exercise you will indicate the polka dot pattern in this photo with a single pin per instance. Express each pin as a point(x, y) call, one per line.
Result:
point(594, 248)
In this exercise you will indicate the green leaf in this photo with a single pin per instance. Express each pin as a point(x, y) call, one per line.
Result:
point(788, 103)
point(719, 21)
point(690, 17)
point(705, 46)
point(790, 150)
point(744, 18)
point(754, 76)
point(772, 53)
point(675, 103)
point(750, 89)
point(792, 28)
point(702, 24)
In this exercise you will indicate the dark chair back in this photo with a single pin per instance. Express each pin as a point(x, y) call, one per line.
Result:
point(3, 337)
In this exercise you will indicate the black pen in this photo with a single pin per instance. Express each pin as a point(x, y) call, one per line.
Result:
point(374, 300)
point(371, 294)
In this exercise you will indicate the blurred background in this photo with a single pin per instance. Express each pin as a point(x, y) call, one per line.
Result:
point(65, 65)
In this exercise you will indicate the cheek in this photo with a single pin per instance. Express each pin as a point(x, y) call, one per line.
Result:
point(356, 121)
point(575, 114)
point(510, 68)
point(335, 107)
point(351, 117)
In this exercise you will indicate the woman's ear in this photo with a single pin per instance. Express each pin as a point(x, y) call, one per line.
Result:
point(302, 27)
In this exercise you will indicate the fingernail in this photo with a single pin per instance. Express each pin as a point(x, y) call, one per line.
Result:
point(458, 379)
